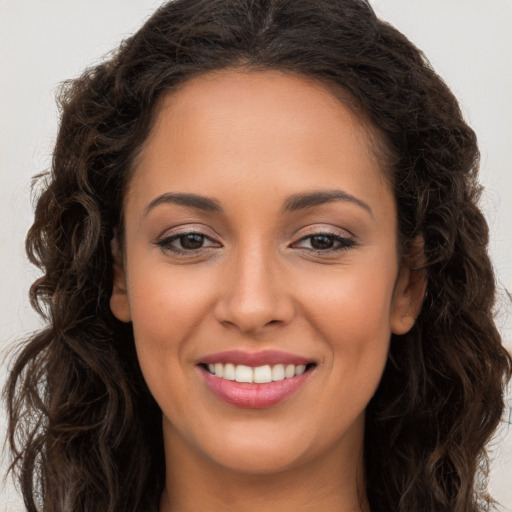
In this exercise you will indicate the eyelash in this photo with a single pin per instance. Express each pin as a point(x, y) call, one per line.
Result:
point(344, 243)
point(166, 243)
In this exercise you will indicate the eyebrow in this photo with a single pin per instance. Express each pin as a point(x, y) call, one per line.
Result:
point(190, 200)
point(319, 197)
point(293, 203)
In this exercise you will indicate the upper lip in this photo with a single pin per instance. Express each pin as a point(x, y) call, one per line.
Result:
point(261, 358)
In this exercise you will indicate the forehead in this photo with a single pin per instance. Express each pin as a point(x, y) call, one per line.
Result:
point(233, 125)
point(244, 98)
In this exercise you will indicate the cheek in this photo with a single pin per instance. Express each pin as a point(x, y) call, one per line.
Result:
point(167, 309)
point(350, 312)
point(166, 312)
point(356, 329)
point(353, 302)
point(358, 335)
point(165, 305)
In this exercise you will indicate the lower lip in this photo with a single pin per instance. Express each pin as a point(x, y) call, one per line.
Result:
point(253, 396)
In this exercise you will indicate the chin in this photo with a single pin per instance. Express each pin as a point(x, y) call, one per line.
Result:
point(259, 460)
point(269, 447)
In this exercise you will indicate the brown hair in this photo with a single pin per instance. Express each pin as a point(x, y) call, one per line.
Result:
point(85, 432)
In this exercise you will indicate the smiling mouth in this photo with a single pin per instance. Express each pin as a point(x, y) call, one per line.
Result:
point(255, 380)
point(256, 375)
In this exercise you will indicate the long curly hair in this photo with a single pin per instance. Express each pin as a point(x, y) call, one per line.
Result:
point(84, 431)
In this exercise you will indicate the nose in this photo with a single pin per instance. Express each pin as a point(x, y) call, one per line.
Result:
point(254, 294)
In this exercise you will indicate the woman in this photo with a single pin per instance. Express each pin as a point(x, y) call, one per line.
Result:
point(265, 275)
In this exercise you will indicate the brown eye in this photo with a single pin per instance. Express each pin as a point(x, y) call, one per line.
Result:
point(322, 242)
point(183, 243)
point(191, 241)
point(325, 243)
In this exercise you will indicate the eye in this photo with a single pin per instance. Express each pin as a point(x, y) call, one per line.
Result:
point(183, 243)
point(324, 242)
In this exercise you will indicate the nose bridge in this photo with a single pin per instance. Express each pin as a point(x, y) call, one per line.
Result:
point(254, 295)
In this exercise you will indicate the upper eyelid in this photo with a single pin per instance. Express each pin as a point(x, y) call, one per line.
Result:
point(185, 230)
point(337, 237)
point(315, 229)
point(175, 236)
point(325, 232)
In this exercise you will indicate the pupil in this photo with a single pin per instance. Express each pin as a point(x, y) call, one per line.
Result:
point(191, 241)
point(321, 242)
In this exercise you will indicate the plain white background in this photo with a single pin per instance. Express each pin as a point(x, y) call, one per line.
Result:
point(42, 42)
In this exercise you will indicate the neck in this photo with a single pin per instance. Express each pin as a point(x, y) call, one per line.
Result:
point(334, 483)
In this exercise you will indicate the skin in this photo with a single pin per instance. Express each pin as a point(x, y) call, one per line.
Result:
point(251, 141)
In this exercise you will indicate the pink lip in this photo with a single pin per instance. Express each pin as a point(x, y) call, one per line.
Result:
point(253, 396)
point(253, 359)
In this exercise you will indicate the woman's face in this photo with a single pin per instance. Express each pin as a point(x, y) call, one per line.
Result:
point(260, 245)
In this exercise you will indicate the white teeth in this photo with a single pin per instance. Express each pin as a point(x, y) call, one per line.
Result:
point(289, 371)
point(243, 373)
point(262, 374)
point(229, 371)
point(257, 375)
point(278, 372)
point(299, 370)
point(219, 370)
